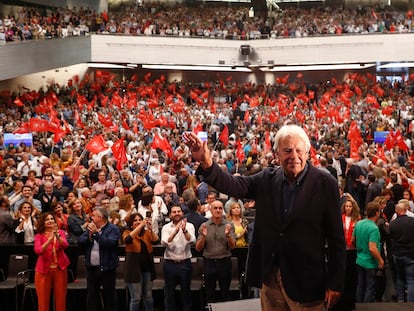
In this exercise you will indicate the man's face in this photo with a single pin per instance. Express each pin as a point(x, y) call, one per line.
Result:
point(48, 189)
point(217, 209)
point(292, 155)
point(27, 192)
point(176, 214)
point(96, 218)
point(210, 198)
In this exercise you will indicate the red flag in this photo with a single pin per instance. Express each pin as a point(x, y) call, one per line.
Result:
point(354, 153)
point(163, 144)
point(381, 153)
point(158, 142)
point(105, 120)
point(389, 141)
point(58, 136)
point(78, 120)
point(354, 134)
point(268, 144)
point(23, 128)
point(239, 151)
point(125, 125)
point(119, 153)
point(198, 128)
point(38, 125)
point(314, 157)
point(224, 135)
point(204, 95)
point(400, 141)
point(246, 117)
point(96, 144)
point(18, 102)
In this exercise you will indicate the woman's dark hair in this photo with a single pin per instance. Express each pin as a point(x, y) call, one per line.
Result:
point(54, 204)
point(26, 202)
point(131, 219)
point(41, 221)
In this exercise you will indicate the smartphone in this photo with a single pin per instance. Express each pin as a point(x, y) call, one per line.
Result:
point(148, 214)
point(202, 135)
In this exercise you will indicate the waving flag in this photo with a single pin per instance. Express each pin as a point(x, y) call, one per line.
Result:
point(224, 135)
point(38, 125)
point(119, 153)
point(96, 144)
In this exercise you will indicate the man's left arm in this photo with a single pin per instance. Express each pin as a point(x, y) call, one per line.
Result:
point(109, 237)
point(336, 246)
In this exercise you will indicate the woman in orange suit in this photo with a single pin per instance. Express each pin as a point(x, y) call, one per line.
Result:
point(49, 245)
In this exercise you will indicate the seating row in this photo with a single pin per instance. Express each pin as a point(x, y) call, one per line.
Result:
point(20, 279)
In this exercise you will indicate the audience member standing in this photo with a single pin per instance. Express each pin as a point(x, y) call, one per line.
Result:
point(7, 225)
point(194, 214)
point(102, 187)
point(78, 221)
point(402, 235)
point(101, 242)
point(369, 260)
point(49, 245)
point(139, 262)
point(240, 223)
point(27, 196)
point(216, 239)
point(47, 197)
point(177, 236)
point(350, 217)
point(26, 218)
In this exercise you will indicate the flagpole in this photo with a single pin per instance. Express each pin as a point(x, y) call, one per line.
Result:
point(215, 145)
point(83, 153)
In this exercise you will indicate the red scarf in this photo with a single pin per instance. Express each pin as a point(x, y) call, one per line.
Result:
point(348, 235)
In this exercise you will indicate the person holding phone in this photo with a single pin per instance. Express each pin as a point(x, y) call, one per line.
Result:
point(155, 205)
point(51, 265)
point(139, 262)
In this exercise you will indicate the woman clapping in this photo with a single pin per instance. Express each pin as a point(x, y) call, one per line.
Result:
point(49, 245)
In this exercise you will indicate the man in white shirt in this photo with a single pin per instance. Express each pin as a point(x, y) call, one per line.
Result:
point(177, 237)
point(25, 166)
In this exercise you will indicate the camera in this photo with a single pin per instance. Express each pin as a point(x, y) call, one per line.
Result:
point(148, 214)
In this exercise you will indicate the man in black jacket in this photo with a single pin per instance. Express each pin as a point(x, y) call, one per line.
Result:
point(194, 214)
point(401, 231)
point(297, 226)
point(100, 241)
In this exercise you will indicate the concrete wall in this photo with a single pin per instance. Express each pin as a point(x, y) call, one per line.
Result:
point(315, 50)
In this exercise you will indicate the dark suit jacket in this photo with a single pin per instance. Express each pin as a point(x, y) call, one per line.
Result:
point(196, 219)
point(297, 245)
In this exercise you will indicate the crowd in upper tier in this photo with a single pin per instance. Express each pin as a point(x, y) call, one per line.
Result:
point(207, 21)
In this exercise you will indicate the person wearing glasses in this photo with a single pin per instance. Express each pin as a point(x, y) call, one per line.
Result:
point(298, 224)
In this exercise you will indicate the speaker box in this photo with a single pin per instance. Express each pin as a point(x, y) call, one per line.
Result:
point(245, 50)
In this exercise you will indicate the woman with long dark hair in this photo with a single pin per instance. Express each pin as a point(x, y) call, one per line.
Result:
point(139, 263)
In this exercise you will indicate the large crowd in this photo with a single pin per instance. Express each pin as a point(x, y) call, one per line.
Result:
point(104, 149)
point(118, 146)
point(212, 21)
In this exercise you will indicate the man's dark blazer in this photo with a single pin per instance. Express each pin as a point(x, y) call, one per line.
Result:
point(308, 246)
point(196, 219)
